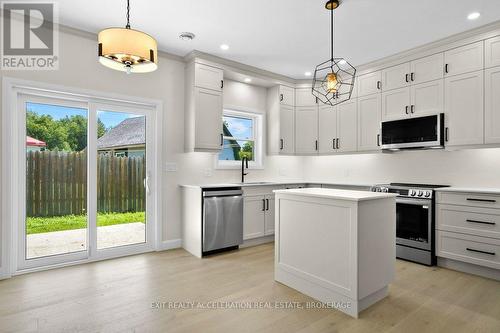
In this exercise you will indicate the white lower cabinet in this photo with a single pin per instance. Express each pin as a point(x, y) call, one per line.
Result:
point(306, 130)
point(258, 216)
point(463, 107)
point(369, 117)
point(492, 105)
point(468, 227)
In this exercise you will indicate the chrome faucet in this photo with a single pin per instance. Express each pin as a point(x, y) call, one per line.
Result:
point(244, 163)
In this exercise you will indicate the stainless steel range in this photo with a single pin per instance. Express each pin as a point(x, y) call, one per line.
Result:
point(414, 220)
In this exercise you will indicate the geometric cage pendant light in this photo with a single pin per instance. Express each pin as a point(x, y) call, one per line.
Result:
point(127, 50)
point(333, 80)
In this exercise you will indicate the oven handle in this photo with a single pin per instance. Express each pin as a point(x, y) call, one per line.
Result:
point(416, 202)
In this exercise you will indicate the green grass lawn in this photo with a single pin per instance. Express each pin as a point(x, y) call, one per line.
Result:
point(36, 225)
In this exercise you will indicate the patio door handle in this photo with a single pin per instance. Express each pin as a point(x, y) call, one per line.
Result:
point(146, 184)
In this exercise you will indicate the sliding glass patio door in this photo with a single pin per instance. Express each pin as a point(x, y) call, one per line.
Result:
point(84, 184)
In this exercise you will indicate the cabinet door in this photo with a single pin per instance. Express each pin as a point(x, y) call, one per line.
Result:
point(208, 110)
point(427, 69)
point(492, 52)
point(287, 130)
point(396, 104)
point(304, 97)
point(492, 105)
point(369, 84)
point(468, 58)
point(269, 219)
point(327, 126)
point(396, 77)
point(427, 98)
point(253, 217)
point(287, 96)
point(369, 114)
point(306, 130)
point(463, 105)
point(347, 129)
point(208, 77)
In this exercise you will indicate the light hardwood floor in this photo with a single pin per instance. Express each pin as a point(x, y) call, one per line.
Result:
point(117, 296)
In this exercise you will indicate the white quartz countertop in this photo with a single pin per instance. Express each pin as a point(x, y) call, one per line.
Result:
point(275, 183)
point(337, 194)
point(484, 190)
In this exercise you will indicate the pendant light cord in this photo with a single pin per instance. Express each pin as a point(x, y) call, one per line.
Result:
point(128, 15)
point(331, 32)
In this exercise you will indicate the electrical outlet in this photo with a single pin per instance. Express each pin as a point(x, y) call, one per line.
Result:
point(170, 167)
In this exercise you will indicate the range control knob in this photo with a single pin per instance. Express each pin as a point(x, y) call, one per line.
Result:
point(427, 194)
point(420, 193)
point(385, 189)
point(412, 193)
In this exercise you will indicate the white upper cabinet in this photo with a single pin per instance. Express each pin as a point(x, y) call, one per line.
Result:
point(208, 77)
point(464, 112)
point(306, 130)
point(427, 98)
point(464, 59)
point(492, 105)
point(347, 126)
point(304, 97)
point(327, 126)
point(492, 52)
point(427, 69)
point(369, 116)
point(369, 84)
point(286, 130)
point(287, 95)
point(203, 114)
point(396, 77)
point(396, 104)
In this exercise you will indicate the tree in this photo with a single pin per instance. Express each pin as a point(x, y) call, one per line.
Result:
point(65, 134)
point(247, 150)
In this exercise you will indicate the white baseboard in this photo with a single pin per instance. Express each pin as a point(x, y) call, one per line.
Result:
point(455, 265)
point(257, 241)
point(170, 244)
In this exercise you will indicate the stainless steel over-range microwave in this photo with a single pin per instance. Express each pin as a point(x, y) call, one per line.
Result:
point(413, 133)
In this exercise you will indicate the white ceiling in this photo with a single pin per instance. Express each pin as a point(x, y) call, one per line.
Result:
point(287, 37)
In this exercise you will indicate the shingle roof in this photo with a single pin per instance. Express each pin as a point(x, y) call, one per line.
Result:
point(130, 132)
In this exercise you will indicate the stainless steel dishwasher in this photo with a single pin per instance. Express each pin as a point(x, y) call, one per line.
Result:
point(222, 219)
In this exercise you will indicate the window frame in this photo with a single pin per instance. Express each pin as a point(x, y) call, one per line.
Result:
point(258, 138)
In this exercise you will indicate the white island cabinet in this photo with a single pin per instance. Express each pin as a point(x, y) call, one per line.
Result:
point(336, 246)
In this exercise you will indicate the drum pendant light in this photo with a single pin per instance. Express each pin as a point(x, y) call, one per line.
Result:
point(127, 50)
point(333, 79)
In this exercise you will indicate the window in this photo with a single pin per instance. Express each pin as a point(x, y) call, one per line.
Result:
point(242, 138)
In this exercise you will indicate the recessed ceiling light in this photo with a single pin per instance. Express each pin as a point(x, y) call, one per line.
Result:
point(473, 16)
point(224, 47)
point(307, 73)
point(187, 36)
point(248, 80)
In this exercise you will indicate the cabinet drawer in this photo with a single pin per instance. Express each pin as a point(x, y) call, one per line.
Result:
point(469, 199)
point(469, 220)
point(260, 190)
point(472, 249)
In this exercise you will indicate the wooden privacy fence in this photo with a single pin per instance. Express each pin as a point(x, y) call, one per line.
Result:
point(56, 183)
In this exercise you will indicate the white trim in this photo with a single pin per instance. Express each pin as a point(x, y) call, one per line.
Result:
point(258, 139)
point(11, 88)
point(170, 244)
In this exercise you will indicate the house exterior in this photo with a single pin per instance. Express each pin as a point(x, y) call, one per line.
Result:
point(33, 144)
point(128, 138)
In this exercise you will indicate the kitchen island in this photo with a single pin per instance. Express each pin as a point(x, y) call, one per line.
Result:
point(337, 246)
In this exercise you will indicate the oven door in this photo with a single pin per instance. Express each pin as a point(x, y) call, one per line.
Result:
point(414, 223)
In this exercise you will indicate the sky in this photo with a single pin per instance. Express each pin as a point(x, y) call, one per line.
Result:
point(110, 119)
point(240, 128)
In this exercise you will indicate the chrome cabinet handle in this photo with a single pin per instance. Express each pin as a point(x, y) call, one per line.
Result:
point(480, 222)
point(267, 204)
point(282, 144)
point(480, 251)
point(378, 140)
point(446, 134)
point(281, 97)
point(316, 144)
point(407, 78)
point(406, 109)
point(338, 144)
point(412, 77)
point(446, 68)
point(333, 144)
point(379, 85)
point(222, 84)
point(263, 205)
point(412, 109)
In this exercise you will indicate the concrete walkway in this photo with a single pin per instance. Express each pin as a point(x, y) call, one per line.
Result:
point(59, 242)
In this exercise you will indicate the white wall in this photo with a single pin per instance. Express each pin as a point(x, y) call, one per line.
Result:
point(473, 167)
point(79, 68)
